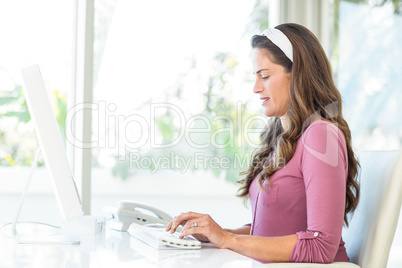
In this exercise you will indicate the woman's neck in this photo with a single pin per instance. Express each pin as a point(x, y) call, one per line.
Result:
point(285, 121)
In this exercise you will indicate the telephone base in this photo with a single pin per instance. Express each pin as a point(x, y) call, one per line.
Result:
point(128, 212)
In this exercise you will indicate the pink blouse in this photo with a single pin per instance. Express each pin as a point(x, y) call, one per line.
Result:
point(307, 197)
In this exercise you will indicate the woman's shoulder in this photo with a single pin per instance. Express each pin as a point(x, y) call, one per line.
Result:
point(321, 132)
point(324, 141)
point(321, 127)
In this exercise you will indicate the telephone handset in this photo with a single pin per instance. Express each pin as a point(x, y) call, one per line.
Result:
point(131, 212)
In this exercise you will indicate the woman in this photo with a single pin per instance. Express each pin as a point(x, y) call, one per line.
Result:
point(302, 180)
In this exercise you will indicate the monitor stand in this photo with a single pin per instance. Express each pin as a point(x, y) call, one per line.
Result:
point(68, 232)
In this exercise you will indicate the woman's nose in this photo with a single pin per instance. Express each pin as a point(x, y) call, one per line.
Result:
point(257, 87)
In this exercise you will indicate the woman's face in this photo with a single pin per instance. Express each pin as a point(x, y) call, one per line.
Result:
point(271, 83)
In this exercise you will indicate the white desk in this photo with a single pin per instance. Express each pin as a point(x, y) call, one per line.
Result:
point(115, 249)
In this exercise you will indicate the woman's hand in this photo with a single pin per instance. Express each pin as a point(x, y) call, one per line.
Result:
point(202, 227)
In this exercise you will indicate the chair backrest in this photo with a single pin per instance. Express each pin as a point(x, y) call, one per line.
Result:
point(372, 226)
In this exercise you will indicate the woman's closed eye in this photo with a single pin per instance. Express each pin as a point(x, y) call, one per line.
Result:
point(264, 77)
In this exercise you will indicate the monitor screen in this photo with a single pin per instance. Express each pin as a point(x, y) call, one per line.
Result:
point(51, 143)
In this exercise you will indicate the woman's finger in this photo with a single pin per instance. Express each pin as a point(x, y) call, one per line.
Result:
point(192, 231)
point(192, 220)
point(182, 220)
point(176, 222)
point(169, 225)
point(207, 229)
point(193, 223)
point(173, 224)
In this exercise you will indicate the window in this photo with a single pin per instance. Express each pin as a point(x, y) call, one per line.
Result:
point(369, 71)
point(367, 57)
point(187, 63)
point(172, 95)
point(31, 34)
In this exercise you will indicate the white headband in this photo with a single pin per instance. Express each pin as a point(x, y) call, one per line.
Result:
point(280, 40)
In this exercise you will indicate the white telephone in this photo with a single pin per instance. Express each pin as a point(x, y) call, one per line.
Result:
point(129, 212)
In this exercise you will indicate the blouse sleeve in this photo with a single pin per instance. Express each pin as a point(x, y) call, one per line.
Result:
point(324, 169)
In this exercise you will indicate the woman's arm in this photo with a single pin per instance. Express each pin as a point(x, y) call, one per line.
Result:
point(275, 249)
point(324, 167)
point(262, 248)
point(244, 230)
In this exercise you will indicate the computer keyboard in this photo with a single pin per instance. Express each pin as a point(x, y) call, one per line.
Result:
point(158, 238)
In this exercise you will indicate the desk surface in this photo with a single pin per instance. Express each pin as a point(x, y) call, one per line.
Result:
point(115, 249)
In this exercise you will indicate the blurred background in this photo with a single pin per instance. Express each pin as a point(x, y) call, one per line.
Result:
point(171, 119)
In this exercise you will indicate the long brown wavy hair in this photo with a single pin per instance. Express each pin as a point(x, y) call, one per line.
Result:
point(312, 94)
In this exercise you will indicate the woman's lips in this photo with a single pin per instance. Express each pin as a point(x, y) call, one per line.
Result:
point(265, 100)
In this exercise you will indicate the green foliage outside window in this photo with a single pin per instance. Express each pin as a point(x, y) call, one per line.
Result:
point(227, 130)
point(18, 140)
point(17, 137)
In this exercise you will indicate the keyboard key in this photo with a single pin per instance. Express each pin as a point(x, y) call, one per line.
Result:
point(158, 238)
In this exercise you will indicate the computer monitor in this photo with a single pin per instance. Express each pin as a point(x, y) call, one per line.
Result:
point(51, 144)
